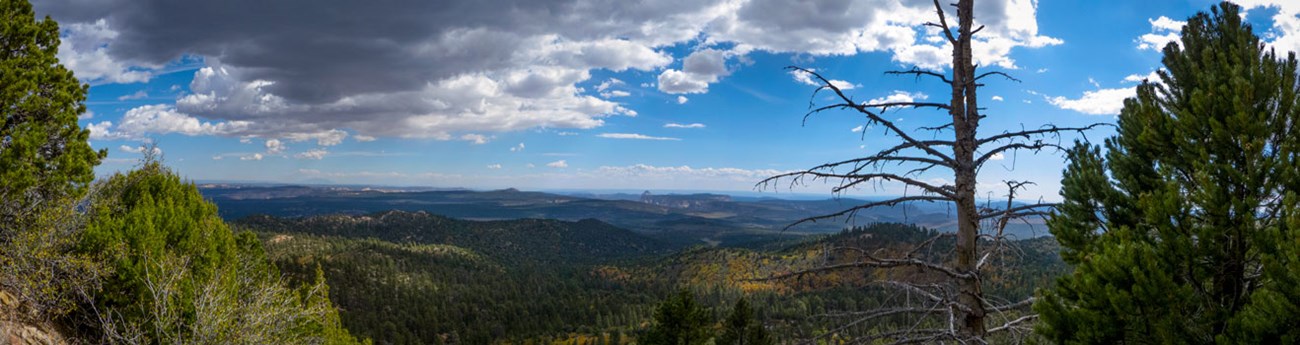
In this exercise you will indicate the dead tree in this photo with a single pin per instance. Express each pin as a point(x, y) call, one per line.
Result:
point(958, 301)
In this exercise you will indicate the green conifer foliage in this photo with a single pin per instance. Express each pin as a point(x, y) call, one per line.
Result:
point(742, 328)
point(44, 155)
point(680, 320)
point(1179, 230)
point(179, 275)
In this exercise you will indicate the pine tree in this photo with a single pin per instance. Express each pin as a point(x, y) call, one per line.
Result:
point(44, 155)
point(1183, 230)
point(680, 320)
point(742, 328)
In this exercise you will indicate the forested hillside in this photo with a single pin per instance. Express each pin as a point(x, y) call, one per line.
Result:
point(408, 278)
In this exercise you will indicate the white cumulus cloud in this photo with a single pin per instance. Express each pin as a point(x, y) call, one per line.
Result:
point(84, 50)
point(274, 146)
point(138, 149)
point(316, 154)
point(1096, 102)
point(477, 139)
point(164, 119)
point(899, 97)
point(635, 136)
point(1163, 32)
point(807, 79)
point(134, 96)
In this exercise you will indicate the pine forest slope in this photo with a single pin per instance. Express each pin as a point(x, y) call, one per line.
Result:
point(412, 277)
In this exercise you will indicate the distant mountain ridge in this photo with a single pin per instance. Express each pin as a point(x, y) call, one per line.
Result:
point(542, 239)
point(681, 218)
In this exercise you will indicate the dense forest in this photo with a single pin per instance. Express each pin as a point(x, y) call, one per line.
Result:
point(412, 277)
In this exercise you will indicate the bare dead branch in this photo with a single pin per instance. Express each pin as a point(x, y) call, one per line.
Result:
point(1022, 304)
point(854, 179)
point(885, 156)
point(916, 289)
point(1035, 146)
point(908, 145)
point(907, 262)
point(872, 117)
point(943, 23)
point(935, 129)
point(877, 314)
point(1045, 130)
point(1018, 210)
point(927, 243)
point(872, 262)
point(1013, 323)
point(1003, 74)
point(885, 106)
point(920, 72)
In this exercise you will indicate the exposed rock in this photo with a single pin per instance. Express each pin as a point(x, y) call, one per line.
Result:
point(14, 332)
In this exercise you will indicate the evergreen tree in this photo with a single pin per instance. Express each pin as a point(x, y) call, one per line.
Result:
point(741, 328)
point(44, 155)
point(680, 320)
point(179, 275)
point(1183, 231)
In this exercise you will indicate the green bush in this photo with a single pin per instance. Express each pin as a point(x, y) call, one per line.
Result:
point(181, 276)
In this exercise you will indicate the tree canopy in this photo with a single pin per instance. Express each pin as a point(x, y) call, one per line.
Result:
point(43, 151)
point(180, 275)
point(742, 328)
point(680, 320)
point(1183, 229)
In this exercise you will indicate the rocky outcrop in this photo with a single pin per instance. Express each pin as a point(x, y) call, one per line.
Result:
point(13, 331)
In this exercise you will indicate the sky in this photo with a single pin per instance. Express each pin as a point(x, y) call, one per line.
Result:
point(587, 94)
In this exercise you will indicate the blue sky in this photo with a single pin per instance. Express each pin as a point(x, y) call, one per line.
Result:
point(578, 94)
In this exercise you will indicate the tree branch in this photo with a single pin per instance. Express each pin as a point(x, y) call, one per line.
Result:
point(1012, 323)
point(872, 117)
point(860, 178)
point(920, 72)
point(985, 74)
point(1025, 303)
point(1017, 210)
point(1049, 129)
point(887, 105)
point(943, 23)
point(907, 262)
point(1036, 146)
point(876, 314)
point(873, 262)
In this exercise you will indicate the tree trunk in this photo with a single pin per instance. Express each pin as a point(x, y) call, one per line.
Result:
point(965, 113)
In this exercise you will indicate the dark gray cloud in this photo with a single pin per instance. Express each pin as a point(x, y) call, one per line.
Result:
point(319, 51)
point(446, 68)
